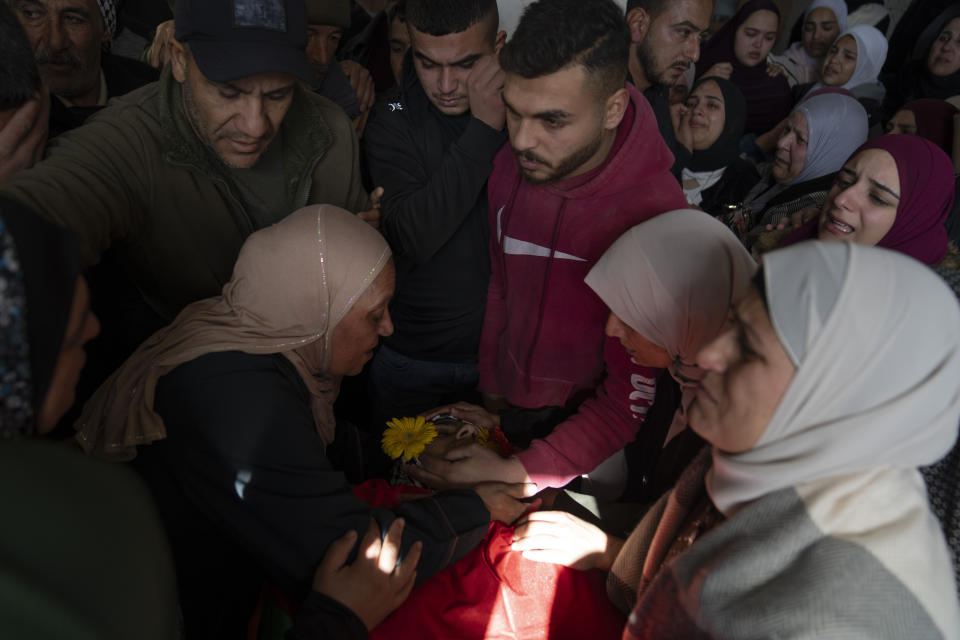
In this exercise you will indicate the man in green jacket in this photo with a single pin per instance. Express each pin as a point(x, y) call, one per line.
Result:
point(174, 176)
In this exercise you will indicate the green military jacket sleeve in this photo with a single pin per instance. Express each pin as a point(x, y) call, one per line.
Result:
point(136, 178)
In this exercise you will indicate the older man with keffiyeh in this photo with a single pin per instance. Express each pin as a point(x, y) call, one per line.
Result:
point(69, 39)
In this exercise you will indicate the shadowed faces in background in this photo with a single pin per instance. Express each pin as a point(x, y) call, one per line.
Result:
point(239, 119)
point(903, 121)
point(861, 206)
point(819, 31)
point(443, 63)
point(944, 56)
point(747, 373)
point(399, 37)
point(669, 42)
point(755, 37)
point(66, 36)
point(840, 63)
point(791, 152)
point(707, 114)
point(358, 333)
point(322, 43)
point(560, 125)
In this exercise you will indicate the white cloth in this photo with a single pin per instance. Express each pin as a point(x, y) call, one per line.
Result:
point(875, 336)
point(694, 183)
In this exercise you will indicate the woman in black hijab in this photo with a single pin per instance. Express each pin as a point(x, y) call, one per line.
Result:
point(711, 124)
point(45, 320)
point(934, 68)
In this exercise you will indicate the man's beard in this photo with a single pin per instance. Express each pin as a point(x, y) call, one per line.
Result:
point(648, 62)
point(566, 166)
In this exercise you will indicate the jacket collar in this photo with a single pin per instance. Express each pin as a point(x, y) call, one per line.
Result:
point(304, 133)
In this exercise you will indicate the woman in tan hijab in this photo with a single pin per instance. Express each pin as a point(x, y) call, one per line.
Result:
point(235, 400)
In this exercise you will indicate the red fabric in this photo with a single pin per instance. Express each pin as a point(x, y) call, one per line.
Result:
point(379, 493)
point(496, 594)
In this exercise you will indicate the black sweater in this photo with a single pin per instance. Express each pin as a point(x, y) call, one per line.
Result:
point(248, 491)
point(434, 171)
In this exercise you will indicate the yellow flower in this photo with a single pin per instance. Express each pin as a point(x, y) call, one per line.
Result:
point(407, 437)
point(483, 438)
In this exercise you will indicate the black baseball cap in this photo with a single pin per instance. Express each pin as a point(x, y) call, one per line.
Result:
point(232, 39)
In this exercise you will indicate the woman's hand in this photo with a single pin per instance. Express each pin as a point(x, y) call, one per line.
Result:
point(720, 70)
point(464, 467)
point(561, 538)
point(505, 501)
point(374, 585)
point(680, 115)
point(158, 54)
point(774, 70)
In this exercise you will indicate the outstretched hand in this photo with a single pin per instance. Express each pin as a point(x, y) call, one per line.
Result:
point(374, 585)
point(558, 537)
point(505, 502)
point(466, 466)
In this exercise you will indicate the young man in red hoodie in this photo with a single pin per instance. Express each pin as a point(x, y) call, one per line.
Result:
point(585, 163)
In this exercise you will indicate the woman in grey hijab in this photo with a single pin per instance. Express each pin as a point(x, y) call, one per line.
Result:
point(821, 133)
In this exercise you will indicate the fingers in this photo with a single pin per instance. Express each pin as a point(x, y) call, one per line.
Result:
point(390, 549)
point(375, 197)
point(521, 490)
point(407, 570)
point(427, 477)
point(370, 545)
point(337, 553)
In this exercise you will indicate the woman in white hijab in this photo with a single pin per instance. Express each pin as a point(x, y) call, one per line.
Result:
point(668, 283)
point(822, 21)
point(854, 62)
point(820, 135)
point(807, 517)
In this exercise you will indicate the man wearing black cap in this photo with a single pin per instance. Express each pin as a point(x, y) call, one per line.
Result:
point(174, 176)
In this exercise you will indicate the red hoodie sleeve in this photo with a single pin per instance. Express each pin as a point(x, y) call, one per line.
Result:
point(494, 319)
point(603, 425)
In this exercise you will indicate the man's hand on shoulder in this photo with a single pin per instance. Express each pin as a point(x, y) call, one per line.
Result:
point(484, 85)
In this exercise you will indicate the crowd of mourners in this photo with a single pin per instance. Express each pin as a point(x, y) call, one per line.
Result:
point(367, 318)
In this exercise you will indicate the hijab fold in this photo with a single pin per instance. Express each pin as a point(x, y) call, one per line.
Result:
point(672, 279)
point(875, 337)
point(836, 126)
point(292, 284)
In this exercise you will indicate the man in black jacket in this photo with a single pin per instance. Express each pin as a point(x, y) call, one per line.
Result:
point(665, 41)
point(430, 143)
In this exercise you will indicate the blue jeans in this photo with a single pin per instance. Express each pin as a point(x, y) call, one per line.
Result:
point(400, 386)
